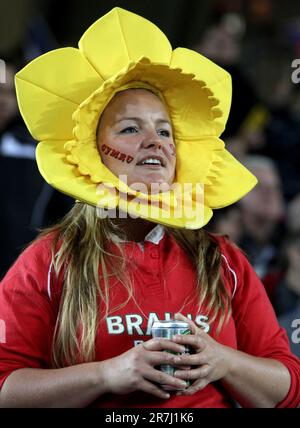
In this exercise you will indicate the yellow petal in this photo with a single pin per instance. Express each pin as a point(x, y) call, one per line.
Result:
point(194, 159)
point(120, 37)
point(61, 175)
point(230, 183)
point(63, 72)
point(47, 116)
point(216, 79)
point(51, 87)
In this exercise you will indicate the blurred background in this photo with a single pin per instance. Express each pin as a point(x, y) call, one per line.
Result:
point(257, 42)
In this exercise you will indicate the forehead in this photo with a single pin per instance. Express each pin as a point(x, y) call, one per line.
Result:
point(133, 102)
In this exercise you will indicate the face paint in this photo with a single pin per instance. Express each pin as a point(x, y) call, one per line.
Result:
point(129, 159)
point(173, 150)
point(122, 157)
point(116, 154)
point(105, 149)
point(120, 147)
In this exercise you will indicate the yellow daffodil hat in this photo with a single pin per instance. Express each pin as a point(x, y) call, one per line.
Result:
point(62, 94)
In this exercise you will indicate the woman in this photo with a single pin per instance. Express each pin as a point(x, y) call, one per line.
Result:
point(79, 303)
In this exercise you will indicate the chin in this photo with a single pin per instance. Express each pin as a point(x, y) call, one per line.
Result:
point(158, 186)
point(152, 183)
point(153, 187)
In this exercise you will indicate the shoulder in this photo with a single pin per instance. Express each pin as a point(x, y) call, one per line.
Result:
point(224, 243)
point(230, 251)
point(40, 248)
point(38, 254)
point(234, 262)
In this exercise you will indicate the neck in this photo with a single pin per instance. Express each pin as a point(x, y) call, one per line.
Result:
point(134, 229)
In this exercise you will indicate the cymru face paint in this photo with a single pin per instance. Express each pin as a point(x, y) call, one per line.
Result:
point(122, 157)
point(135, 138)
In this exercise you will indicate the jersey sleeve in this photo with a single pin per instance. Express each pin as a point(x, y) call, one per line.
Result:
point(26, 313)
point(257, 329)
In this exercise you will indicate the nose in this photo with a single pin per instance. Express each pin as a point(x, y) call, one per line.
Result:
point(151, 140)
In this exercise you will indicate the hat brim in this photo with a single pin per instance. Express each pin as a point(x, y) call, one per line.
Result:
point(62, 93)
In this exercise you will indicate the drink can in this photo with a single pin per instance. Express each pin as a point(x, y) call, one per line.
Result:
point(167, 330)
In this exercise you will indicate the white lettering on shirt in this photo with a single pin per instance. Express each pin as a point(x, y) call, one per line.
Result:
point(133, 322)
point(200, 320)
point(114, 325)
point(152, 317)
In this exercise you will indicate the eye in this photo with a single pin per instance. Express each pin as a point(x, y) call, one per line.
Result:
point(164, 132)
point(129, 130)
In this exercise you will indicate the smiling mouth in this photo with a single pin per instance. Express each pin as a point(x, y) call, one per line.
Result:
point(151, 166)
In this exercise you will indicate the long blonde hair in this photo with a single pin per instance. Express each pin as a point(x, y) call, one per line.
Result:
point(82, 238)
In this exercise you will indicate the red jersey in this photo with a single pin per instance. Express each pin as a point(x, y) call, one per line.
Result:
point(164, 282)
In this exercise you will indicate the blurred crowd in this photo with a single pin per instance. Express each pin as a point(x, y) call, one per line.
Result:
point(262, 132)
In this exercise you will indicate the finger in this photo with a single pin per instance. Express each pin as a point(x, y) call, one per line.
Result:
point(182, 367)
point(195, 387)
point(153, 389)
point(158, 344)
point(191, 359)
point(155, 358)
point(198, 373)
point(163, 378)
point(193, 327)
point(190, 340)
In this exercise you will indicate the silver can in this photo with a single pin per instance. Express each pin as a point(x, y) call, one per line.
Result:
point(167, 330)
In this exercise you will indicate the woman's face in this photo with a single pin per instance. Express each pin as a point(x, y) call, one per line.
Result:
point(135, 138)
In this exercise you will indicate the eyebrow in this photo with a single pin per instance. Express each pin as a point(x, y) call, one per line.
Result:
point(137, 119)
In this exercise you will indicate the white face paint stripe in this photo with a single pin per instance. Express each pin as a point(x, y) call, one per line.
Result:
point(233, 274)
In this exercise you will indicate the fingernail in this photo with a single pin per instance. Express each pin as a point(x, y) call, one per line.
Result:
point(177, 360)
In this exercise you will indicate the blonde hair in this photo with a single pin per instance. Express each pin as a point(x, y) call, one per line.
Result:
point(81, 237)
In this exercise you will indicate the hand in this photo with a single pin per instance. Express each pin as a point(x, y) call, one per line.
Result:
point(210, 359)
point(135, 369)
